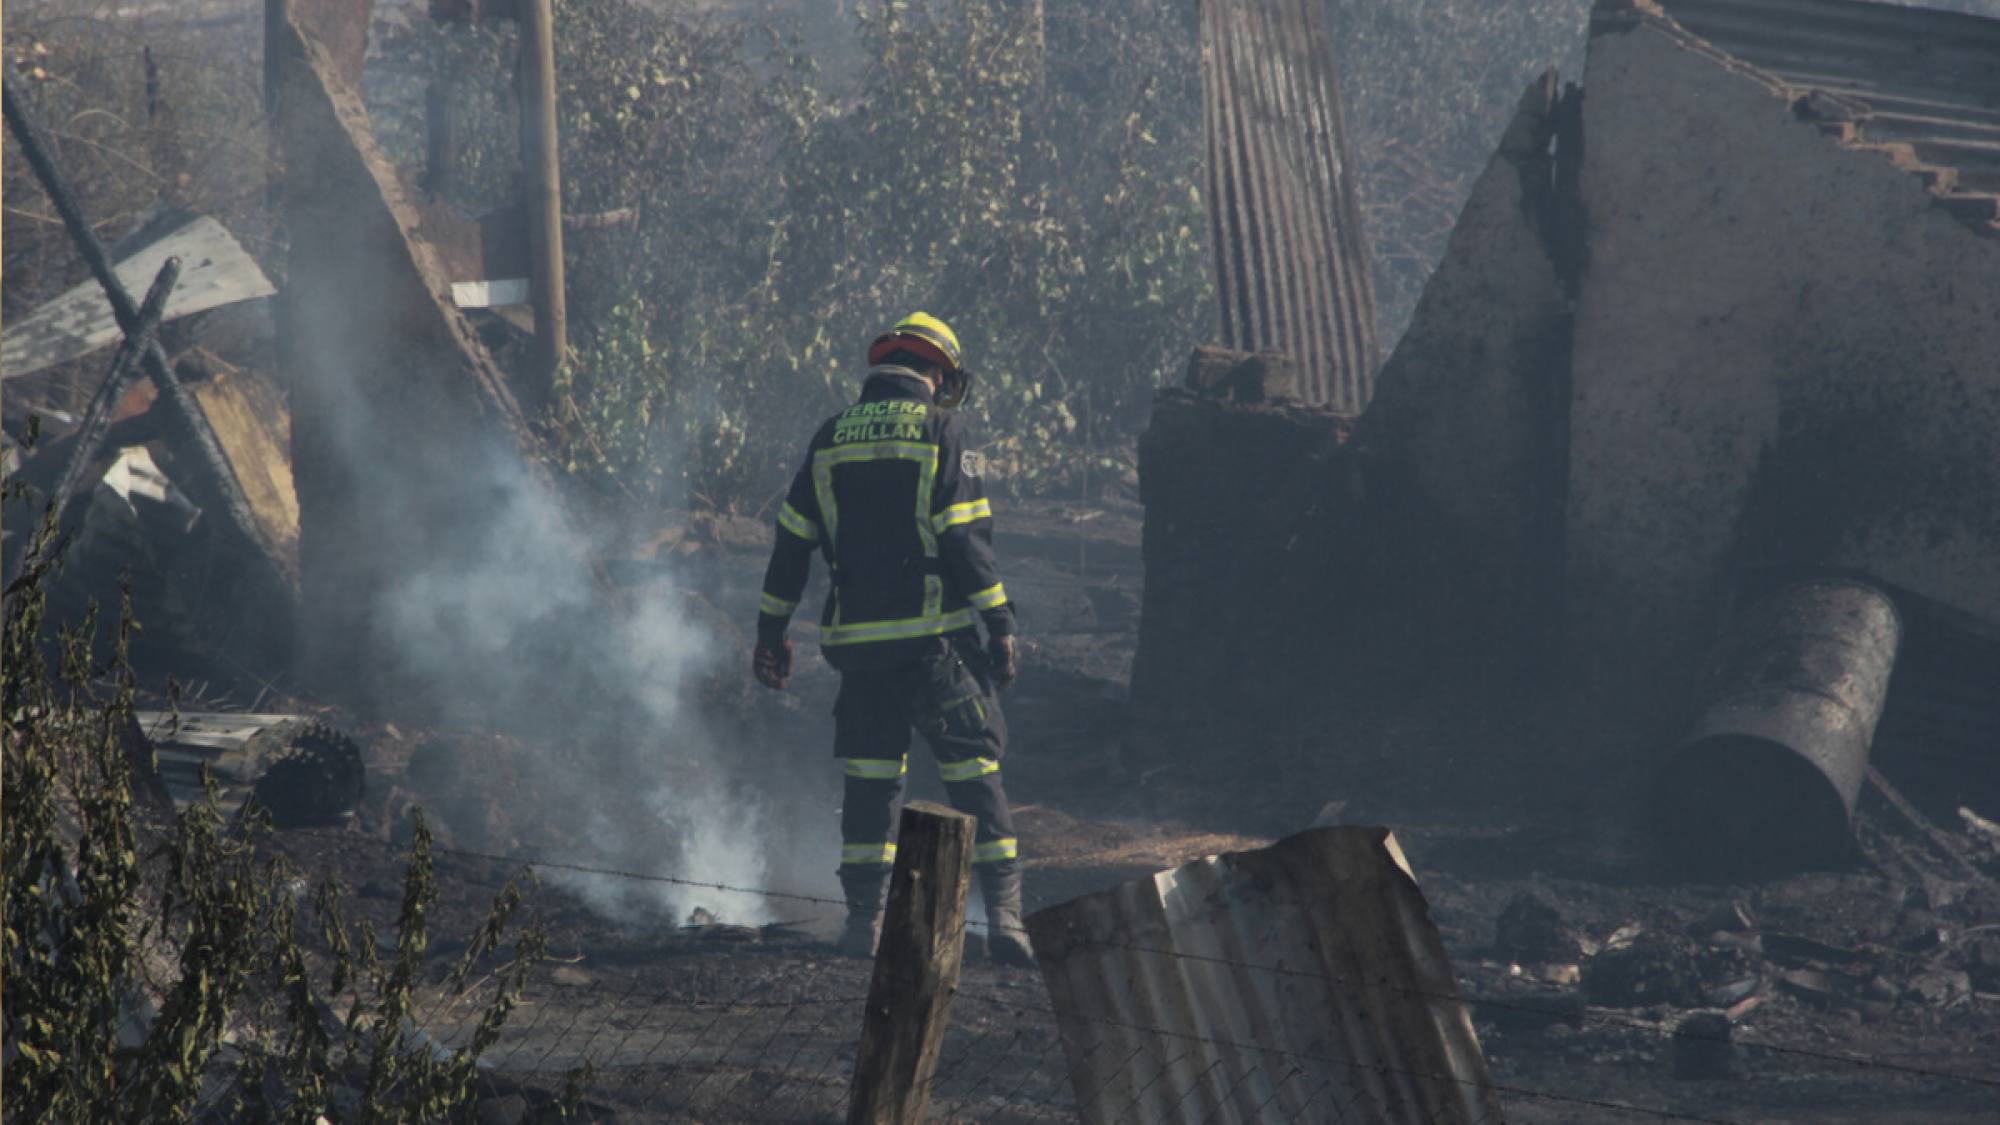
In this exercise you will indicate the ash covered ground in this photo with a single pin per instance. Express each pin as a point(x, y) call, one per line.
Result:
point(1870, 994)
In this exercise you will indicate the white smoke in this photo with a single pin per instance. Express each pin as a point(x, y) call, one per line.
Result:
point(509, 629)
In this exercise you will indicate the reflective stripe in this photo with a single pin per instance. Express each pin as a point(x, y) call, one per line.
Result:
point(790, 519)
point(896, 630)
point(877, 769)
point(933, 621)
point(933, 584)
point(962, 513)
point(825, 459)
point(876, 853)
point(967, 770)
point(776, 606)
point(1005, 848)
point(994, 595)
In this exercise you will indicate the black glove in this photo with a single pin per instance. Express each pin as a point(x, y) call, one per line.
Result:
point(1000, 661)
point(772, 664)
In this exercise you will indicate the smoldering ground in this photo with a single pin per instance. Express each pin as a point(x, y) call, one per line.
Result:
point(609, 709)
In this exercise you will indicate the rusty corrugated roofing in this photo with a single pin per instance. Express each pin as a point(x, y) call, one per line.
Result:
point(1299, 982)
point(1292, 269)
point(1924, 84)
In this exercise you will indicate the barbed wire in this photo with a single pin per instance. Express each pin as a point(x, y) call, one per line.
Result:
point(1377, 1066)
point(1555, 1014)
point(693, 1007)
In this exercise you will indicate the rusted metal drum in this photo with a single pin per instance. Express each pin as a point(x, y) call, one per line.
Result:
point(1766, 782)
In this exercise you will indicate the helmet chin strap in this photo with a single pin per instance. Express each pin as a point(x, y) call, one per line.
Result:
point(953, 388)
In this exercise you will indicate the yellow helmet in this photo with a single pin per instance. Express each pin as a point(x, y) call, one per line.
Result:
point(924, 335)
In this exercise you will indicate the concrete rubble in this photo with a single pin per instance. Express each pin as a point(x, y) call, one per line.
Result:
point(1694, 994)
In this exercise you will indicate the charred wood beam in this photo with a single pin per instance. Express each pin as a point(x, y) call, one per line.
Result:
point(89, 438)
point(215, 486)
point(153, 100)
point(97, 417)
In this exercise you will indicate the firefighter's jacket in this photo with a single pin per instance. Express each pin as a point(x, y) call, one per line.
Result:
point(886, 496)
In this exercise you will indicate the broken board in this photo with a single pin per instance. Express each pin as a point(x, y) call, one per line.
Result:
point(215, 271)
point(253, 425)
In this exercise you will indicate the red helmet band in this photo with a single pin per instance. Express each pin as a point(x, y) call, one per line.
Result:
point(913, 342)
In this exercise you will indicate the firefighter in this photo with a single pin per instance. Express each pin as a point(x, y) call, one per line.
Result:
point(892, 500)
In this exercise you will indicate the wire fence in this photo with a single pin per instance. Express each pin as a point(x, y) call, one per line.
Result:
point(781, 1050)
point(721, 1023)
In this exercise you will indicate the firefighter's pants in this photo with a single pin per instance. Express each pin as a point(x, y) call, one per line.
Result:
point(949, 697)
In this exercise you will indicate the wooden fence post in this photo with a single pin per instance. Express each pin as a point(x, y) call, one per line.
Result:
point(541, 170)
point(916, 968)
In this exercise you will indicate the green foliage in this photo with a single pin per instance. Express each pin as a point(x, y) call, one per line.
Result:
point(69, 865)
point(1043, 201)
point(126, 973)
point(749, 222)
point(406, 1081)
point(1036, 186)
point(1428, 86)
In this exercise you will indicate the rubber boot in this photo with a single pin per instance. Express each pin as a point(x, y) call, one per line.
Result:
point(864, 888)
point(1006, 935)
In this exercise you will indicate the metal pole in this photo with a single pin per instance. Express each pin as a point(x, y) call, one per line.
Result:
point(541, 168)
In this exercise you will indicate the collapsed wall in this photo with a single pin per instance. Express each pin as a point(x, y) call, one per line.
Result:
point(1695, 324)
point(1473, 406)
point(1311, 576)
point(1784, 356)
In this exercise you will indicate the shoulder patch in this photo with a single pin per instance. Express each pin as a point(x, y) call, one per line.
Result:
point(972, 463)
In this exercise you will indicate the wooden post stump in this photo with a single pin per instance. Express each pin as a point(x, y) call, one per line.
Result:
point(916, 968)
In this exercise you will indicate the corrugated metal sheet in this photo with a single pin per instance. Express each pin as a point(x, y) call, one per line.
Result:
point(1292, 269)
point(1929, 80)
point(1300, 982)
point(215, 271)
